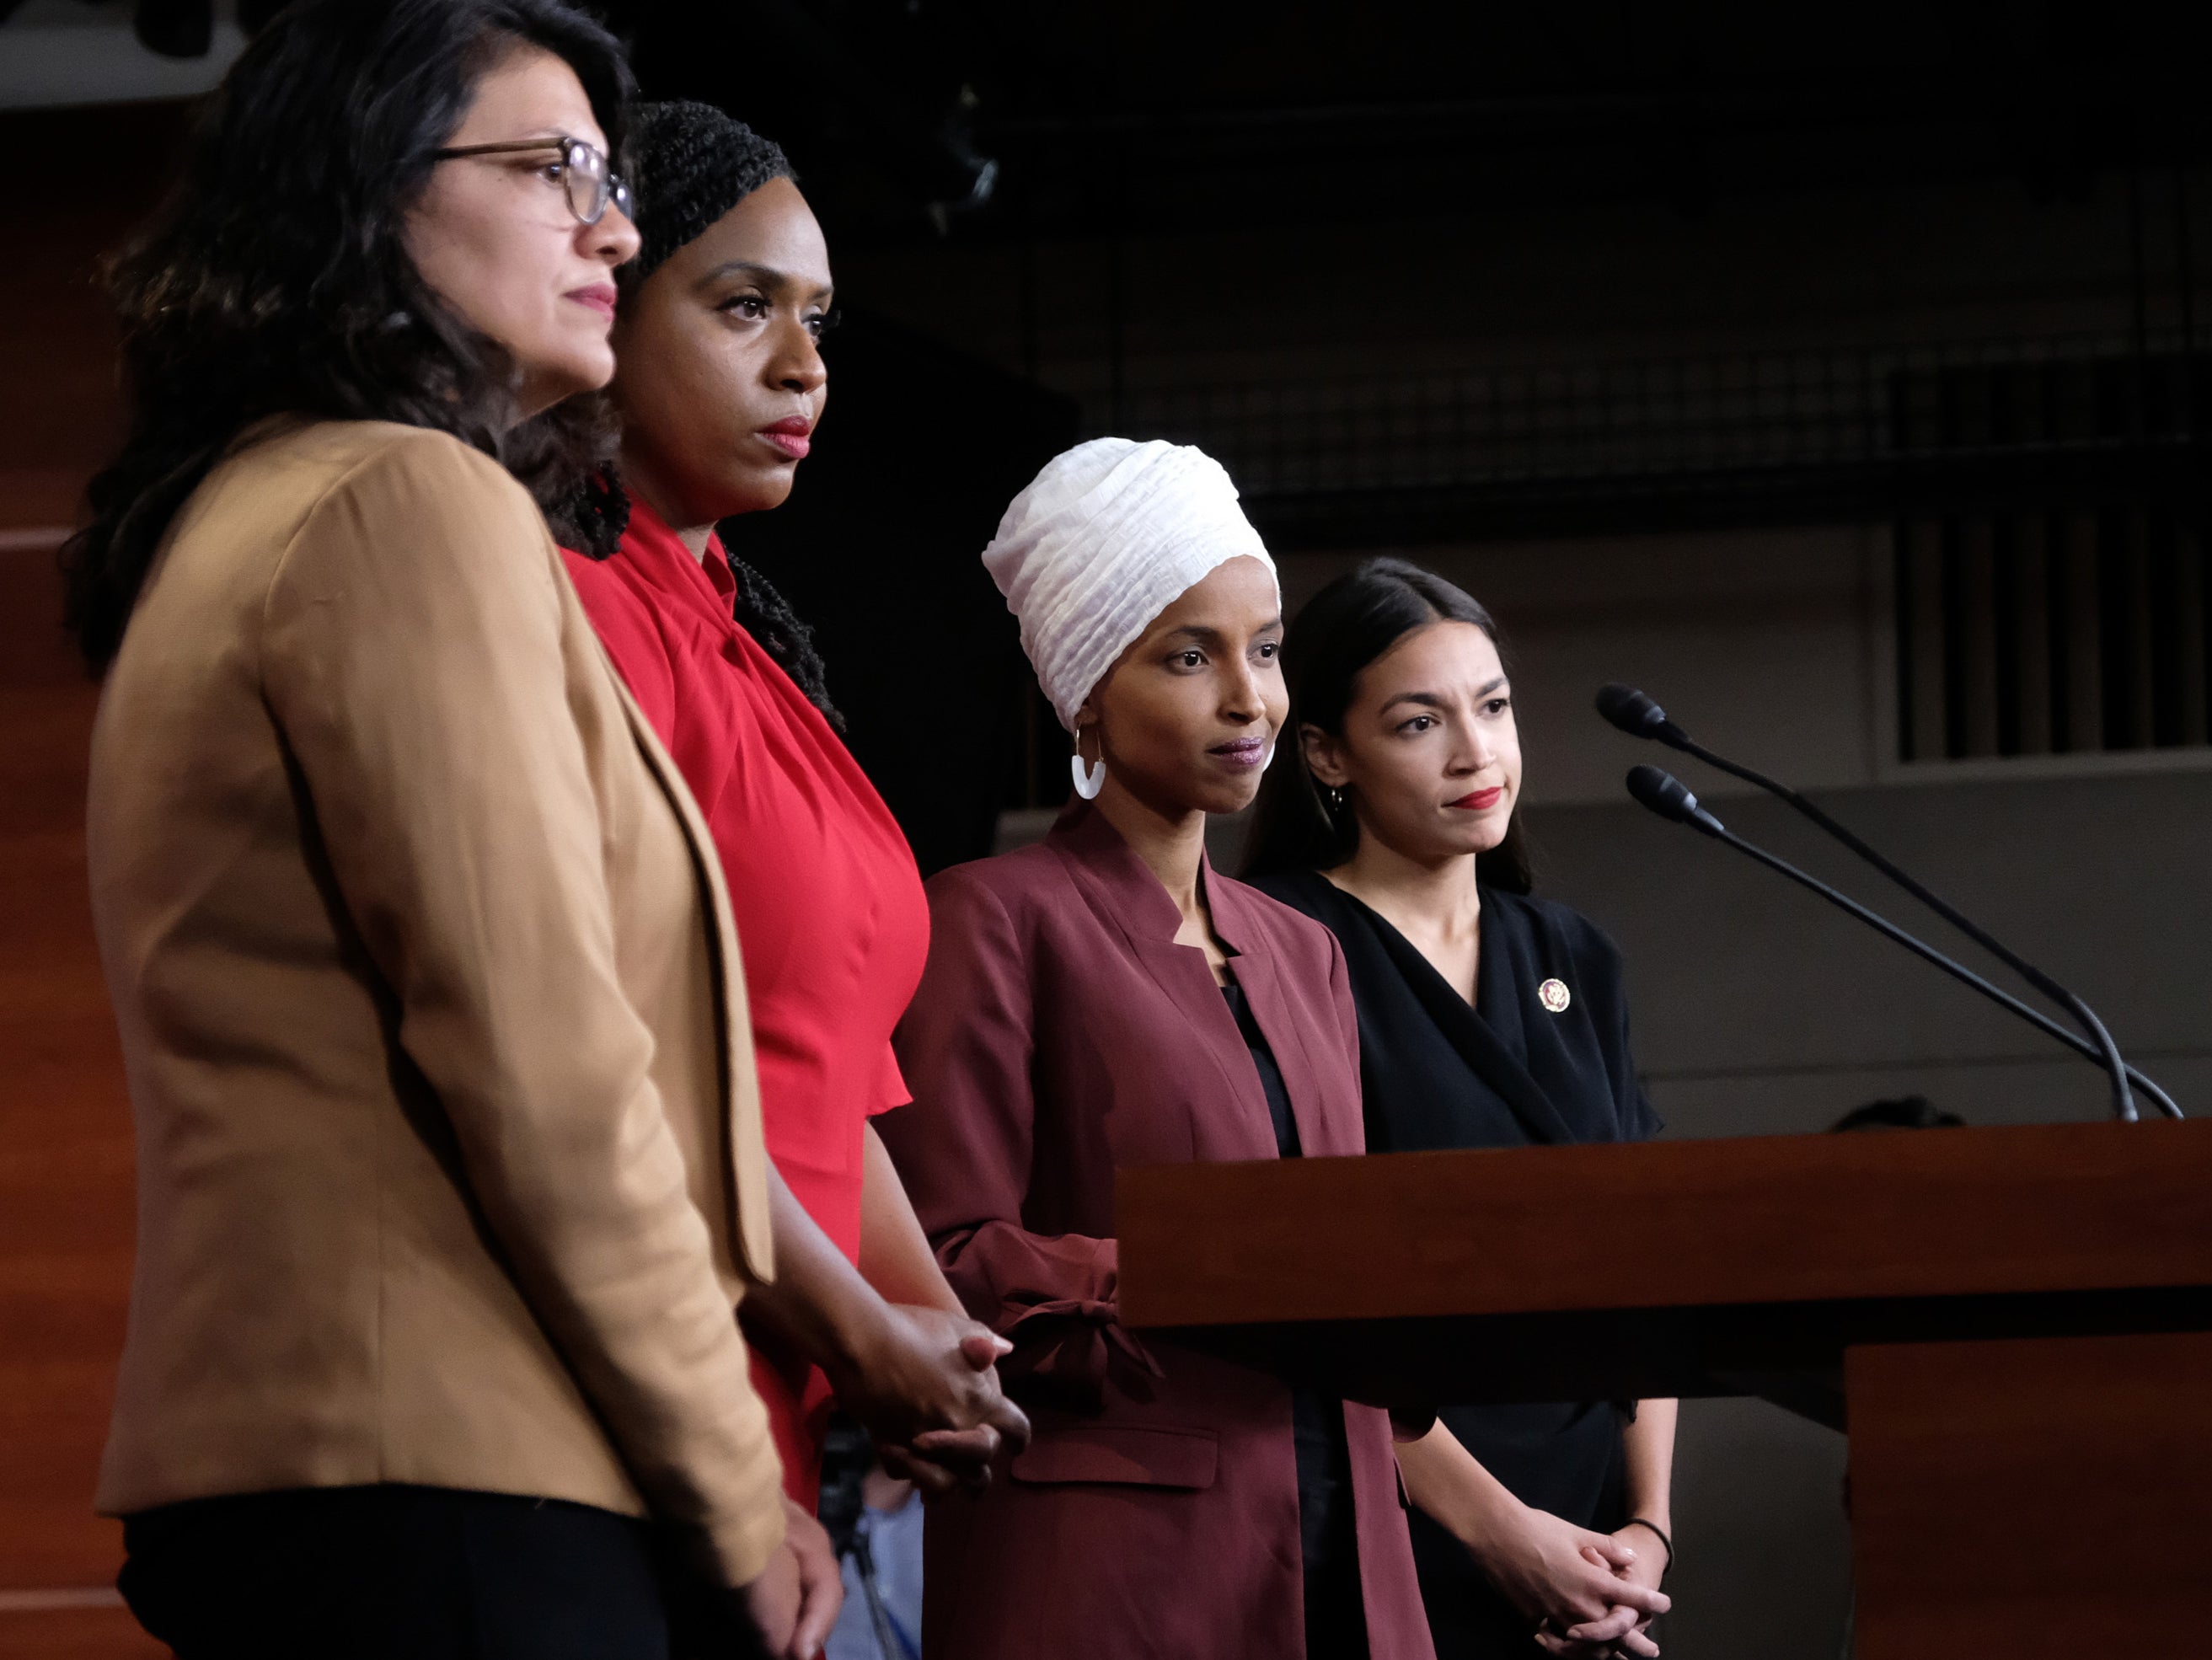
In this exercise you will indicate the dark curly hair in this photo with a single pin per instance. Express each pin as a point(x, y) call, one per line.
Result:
point(275, 282)
point(701, 163)
point(1347, 625)
point(692, 164)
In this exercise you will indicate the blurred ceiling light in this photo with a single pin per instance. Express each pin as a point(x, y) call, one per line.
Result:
point(56, 53)
point(175, 28)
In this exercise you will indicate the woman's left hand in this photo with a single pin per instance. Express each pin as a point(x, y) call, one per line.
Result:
point(1650, 1566)
point(1645, 1569)
point(924, 1384)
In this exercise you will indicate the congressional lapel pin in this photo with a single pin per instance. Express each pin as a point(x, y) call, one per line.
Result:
point(1555, 996)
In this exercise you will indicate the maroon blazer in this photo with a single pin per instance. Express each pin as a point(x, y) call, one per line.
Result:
point(1058, 1033)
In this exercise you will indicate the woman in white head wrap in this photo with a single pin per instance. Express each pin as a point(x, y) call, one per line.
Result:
point(1106, 998)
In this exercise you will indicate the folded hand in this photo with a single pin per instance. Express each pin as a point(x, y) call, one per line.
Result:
point(1588, 1594)
point(927, 1389)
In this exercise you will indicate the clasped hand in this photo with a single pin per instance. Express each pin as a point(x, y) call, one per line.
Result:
point(926, 1388)
point(1592, 1594)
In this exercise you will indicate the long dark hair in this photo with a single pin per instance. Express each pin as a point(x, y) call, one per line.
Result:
point(275, 282)
point(1349, 624)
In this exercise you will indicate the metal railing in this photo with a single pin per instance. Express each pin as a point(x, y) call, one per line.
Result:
point(1669, 422)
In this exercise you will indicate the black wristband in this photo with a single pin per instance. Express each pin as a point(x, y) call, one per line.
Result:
point(1658, 1533)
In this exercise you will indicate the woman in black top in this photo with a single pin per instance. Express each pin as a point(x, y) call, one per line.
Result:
point(1487, 1017)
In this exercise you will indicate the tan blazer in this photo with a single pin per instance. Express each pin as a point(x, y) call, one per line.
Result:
point(449, 1156)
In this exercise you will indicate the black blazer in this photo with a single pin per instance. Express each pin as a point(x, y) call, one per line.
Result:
point(1542, 1056)
point(1511, 1070)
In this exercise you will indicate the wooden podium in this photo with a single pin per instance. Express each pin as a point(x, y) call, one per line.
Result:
point(2013, 1325)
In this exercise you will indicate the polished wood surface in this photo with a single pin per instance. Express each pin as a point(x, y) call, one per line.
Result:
point(87, 1633)
point(1753, 1219)
point(2040, 1500)
point(65, 1187)
point(65, 1190)
point(2015, 1324)
point(1735, 1266)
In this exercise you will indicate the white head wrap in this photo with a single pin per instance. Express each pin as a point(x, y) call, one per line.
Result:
point(1110, 535)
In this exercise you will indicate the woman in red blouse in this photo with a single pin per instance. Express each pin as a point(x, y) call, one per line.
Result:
point(718, 386)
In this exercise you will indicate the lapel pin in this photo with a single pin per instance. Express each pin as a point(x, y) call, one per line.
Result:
point(1553, 995)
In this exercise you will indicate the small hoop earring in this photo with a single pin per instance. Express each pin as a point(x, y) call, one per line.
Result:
point(1089, 781)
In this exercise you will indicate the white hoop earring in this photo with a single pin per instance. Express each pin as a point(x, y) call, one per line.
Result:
point(1089, 781)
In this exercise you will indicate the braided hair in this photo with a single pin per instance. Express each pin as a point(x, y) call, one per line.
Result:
point(690, 164)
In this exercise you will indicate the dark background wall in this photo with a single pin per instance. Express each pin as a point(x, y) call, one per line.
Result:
point(1834, 370)
point(922, 448)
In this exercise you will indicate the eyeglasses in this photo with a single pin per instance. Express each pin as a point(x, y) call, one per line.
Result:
point(584, 177)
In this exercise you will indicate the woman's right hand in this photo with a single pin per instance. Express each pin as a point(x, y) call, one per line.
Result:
point(925, 1385)
point(773, 1601)
point(1567, 1578)
point(793, 1603)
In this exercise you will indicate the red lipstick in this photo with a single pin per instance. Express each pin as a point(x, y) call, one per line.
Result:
point(1480, 800)
point(790, 436)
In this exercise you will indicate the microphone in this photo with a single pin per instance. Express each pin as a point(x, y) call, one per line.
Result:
point(1666, 795)
point(1635, 714)
point(1670, 798)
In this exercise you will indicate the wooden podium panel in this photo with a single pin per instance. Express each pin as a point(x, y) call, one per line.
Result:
point(2013, 1325)
point(1673, 1268)
point(2041, 1499)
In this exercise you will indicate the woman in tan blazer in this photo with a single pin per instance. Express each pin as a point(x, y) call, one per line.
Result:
point(449, 1155)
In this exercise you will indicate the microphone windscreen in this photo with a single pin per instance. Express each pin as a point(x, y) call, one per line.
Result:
point(1663, 794)
point(1631, 710)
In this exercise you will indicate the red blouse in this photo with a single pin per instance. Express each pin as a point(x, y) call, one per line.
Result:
point(827, 902)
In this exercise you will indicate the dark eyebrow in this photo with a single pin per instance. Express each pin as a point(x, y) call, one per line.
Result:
point(1431, 700)
point(766, 275)
point(1205, 634)
point(553, 138)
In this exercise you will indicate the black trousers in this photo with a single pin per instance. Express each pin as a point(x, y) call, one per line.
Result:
point(416, 1573)
point(1329, 1536)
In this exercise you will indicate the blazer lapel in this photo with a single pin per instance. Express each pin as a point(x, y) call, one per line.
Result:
point(1255, 972)
point(1121, 888)
point(745, 1151)
point(1473, 1036)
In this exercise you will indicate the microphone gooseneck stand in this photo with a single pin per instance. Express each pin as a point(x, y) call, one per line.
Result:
point(1667, 796)
point(1636, 715)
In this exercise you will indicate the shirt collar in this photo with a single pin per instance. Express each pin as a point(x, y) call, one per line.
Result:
point(648, 534)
